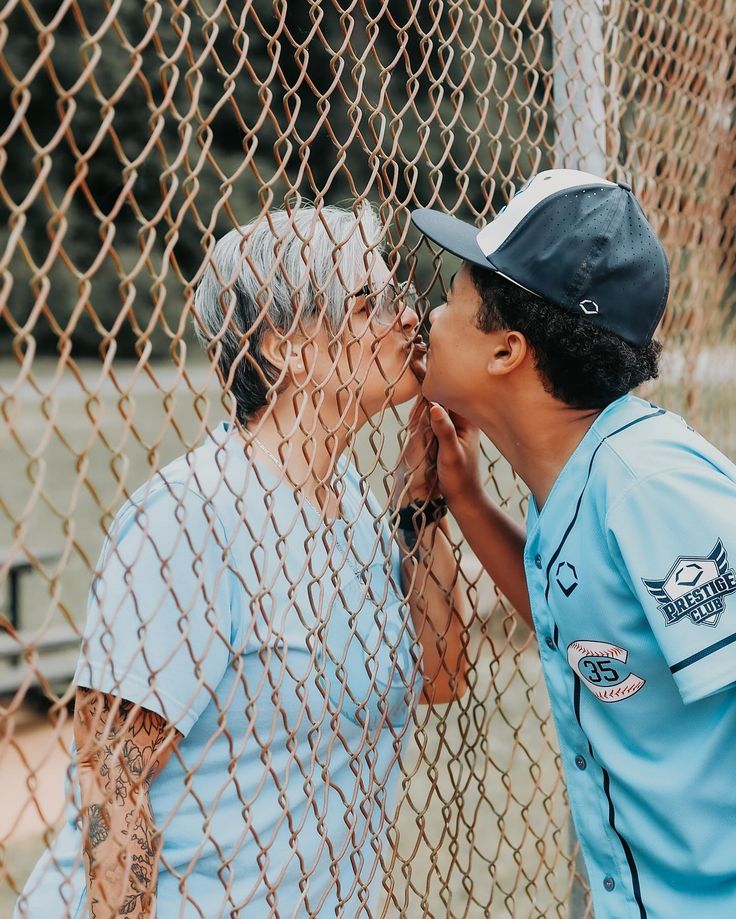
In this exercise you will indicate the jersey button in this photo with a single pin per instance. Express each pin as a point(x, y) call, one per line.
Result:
point(609, 883)
point(550, 644)
point(538, 560)
point(580, 762)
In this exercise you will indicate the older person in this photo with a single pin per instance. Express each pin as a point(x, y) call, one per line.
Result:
point(257, 636)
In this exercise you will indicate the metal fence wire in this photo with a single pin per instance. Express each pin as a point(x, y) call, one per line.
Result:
point(133, 136)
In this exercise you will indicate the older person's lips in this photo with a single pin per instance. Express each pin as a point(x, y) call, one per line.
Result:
point(419, 351)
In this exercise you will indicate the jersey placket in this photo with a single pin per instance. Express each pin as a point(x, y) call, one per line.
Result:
point(584, 779)
point(610, 877)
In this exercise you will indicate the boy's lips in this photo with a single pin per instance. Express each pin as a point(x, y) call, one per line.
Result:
point(418, 364)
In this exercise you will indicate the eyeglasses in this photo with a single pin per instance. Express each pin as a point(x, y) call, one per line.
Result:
point(385, 305)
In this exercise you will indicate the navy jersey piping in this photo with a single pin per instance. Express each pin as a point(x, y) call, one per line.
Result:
point(706, 652)
point(624, 844)
point(556, 553)
point(629, 855)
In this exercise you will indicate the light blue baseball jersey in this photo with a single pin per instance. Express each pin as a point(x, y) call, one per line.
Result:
point(288, 663)
point(630, 567)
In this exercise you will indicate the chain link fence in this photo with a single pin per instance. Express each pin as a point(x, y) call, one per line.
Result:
point(134, 136)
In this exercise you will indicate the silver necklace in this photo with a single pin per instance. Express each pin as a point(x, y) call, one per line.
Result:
point(281, 466)
point(340, 542)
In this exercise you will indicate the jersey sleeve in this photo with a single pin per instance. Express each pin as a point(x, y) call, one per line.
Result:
point(674, 537)
point(159, 613)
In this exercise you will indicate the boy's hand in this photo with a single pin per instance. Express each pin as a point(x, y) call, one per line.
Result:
point(457, 456)
point(417, 471)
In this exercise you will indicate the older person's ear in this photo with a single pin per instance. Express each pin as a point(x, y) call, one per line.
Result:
point(283, 353)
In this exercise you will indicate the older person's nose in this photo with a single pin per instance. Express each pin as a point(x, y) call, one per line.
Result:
point(409, 318)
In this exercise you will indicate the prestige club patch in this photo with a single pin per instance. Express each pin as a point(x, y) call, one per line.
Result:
point(694, 588)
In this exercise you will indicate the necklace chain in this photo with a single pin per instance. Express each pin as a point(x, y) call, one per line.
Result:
point(356, 570)
point(281, 466)
point(265, 449)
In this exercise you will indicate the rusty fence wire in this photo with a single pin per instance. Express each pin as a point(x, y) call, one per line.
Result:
point(132, 137)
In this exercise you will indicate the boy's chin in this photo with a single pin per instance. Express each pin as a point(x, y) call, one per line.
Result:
point(429, 390)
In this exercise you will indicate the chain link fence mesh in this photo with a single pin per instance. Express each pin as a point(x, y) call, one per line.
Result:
point(134, 136)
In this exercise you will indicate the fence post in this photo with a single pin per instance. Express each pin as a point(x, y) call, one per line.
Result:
point(579, 85)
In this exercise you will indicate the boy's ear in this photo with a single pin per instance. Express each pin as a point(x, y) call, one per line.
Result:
point(510, 350)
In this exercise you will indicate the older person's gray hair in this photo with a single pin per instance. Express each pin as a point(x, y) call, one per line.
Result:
point(278, 271)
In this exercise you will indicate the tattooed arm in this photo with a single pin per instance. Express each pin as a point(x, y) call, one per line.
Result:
point(121, 748)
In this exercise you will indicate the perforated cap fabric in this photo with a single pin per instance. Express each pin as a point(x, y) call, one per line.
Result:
point(579, 241)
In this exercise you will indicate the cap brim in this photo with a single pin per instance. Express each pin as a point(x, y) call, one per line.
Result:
point(452, 234)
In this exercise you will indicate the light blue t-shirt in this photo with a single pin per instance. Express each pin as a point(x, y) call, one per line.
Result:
point(631, 573)
point(282, 652)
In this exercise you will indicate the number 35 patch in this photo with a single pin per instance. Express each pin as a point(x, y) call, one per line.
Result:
point(601, 666)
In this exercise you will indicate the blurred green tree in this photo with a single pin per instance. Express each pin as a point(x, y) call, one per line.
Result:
point(141, 137)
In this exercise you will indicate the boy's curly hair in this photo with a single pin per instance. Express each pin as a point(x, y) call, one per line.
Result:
point(580, 363)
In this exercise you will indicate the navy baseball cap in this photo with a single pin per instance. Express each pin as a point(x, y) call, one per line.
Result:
point(579, 241)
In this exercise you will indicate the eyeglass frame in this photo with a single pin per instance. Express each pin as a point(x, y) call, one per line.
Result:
point(379, 313)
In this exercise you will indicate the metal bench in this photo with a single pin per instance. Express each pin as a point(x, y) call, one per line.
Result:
point(54, 650)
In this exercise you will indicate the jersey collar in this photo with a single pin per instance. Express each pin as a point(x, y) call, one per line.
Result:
point(573, 475)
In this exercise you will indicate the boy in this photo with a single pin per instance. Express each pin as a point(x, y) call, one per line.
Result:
point(626, 568)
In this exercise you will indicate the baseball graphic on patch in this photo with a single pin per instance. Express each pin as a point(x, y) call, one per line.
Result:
point(601, 666)
point(694, 588)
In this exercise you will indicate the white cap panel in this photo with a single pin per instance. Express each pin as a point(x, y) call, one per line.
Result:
point(544, 184)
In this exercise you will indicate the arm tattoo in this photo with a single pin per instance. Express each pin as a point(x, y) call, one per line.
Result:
point(120, 833)
point(98, 827)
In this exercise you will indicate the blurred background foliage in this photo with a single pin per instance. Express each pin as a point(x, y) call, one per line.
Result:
point(135, 144)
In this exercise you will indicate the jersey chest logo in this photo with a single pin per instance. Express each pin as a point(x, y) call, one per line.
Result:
point(600, 666)
point(566, 576)
point(694, 588)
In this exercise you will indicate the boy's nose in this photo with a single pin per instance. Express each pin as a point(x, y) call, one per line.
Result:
point(433, 313)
